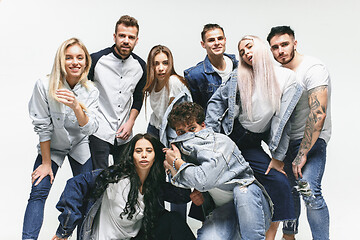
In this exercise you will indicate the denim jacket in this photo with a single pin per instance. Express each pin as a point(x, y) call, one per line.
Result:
point(166, 133)
point(212, 161)
point(220, 114)
point(204, 80)
point(76, 204)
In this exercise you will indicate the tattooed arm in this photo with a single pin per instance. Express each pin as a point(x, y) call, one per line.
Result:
point(318, 103)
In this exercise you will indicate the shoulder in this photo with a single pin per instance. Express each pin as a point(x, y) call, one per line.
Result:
point(175, 81)
point(97, 55)
point(195, 70)
point(140, 60)
point(312, 63)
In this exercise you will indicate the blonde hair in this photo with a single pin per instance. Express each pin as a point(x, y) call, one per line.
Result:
point(260, 75)
point(58, 73)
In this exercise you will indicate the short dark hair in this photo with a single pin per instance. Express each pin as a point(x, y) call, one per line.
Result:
point(280, 30)
point(208, 27)
point(128, 22)
point(186, 113)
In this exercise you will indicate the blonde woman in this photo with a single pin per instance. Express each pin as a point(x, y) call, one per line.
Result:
point(63, 109)
point(259, 99)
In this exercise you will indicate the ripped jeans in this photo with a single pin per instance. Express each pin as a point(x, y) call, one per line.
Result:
point(309, 187)
point(247, 217)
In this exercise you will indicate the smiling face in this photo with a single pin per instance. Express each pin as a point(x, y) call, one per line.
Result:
point(75, 63)
point(161, 64)
point(246, 51)
point(214, 42)
point(144, 155)
point(125, 39)
point(283, 48)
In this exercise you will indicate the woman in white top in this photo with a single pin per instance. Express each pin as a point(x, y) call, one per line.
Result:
point(123, 199)
point(162, 86)
point(63, 109)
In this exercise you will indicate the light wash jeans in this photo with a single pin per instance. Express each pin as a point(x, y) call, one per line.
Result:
point(309, 187)
point(247, 217)
point(34, 213)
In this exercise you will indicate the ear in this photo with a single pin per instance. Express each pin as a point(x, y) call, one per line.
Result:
point(114, 37)
point(295, 44)
point(202, 44)
point(136, 41)
point(203, 126)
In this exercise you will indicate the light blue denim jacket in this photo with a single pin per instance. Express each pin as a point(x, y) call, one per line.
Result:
point(220, 114)
point(212, 161)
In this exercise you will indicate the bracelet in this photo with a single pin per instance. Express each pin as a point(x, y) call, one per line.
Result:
point(174, 163)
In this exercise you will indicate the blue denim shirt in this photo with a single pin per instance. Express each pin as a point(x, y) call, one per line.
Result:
point(220, 114)
point(204, 80)
point(212, 161)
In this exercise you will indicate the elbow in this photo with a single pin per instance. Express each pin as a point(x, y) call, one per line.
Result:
point(319, 121)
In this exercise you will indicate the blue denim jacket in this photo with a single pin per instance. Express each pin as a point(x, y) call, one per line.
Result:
point(212, 161)
point(76, 203)
point(220, 114)
point(203, 80)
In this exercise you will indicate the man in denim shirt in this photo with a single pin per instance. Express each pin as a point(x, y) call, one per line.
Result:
point(206, 76)
point(208, 161)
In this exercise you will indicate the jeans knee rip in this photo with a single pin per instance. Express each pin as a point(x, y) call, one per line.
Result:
point(303, 188)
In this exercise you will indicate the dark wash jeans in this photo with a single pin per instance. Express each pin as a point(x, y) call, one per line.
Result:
point(34, 213)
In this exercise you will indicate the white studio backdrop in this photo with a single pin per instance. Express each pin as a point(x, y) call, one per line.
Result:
point(31, 31)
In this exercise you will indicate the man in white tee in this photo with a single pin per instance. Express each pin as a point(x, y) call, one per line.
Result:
point(310, 132)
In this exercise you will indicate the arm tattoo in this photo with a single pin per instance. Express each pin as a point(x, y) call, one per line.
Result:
point(316, 115)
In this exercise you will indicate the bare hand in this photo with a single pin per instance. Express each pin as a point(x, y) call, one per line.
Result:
point(57, 238)
point(171, 154)
point(277, 165)
point(298, 164)
point(67, 97)
point(196, 197)
point(125, 130)
point(42, 171)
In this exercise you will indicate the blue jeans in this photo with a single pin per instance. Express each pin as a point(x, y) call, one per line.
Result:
point(309, 187)
point(248, 216)
point(34, 213)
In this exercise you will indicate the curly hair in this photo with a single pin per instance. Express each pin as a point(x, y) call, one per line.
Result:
point(126, 169)
point(186, 113)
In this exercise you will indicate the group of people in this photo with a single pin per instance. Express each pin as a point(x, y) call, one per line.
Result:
point(205, 133)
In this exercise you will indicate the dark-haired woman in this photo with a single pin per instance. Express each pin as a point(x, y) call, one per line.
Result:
point(124, 199)
point(163, 84)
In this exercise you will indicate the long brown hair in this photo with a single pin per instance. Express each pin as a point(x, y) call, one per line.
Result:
point(150, 69)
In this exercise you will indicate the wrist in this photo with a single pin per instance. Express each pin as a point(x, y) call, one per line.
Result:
point(174, 163)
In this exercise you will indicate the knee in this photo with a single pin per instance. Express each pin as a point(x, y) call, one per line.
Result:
point(41, 191)
point(313, 200)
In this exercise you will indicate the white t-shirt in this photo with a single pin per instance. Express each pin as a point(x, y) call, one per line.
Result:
point(220, 196)
point(310, 74)
point(225, 75)
point(108, 225)
point(159, 101)
point(262, 111)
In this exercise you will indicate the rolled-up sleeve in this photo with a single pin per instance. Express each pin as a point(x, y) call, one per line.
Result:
point(40, 113)
point(92, 111)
